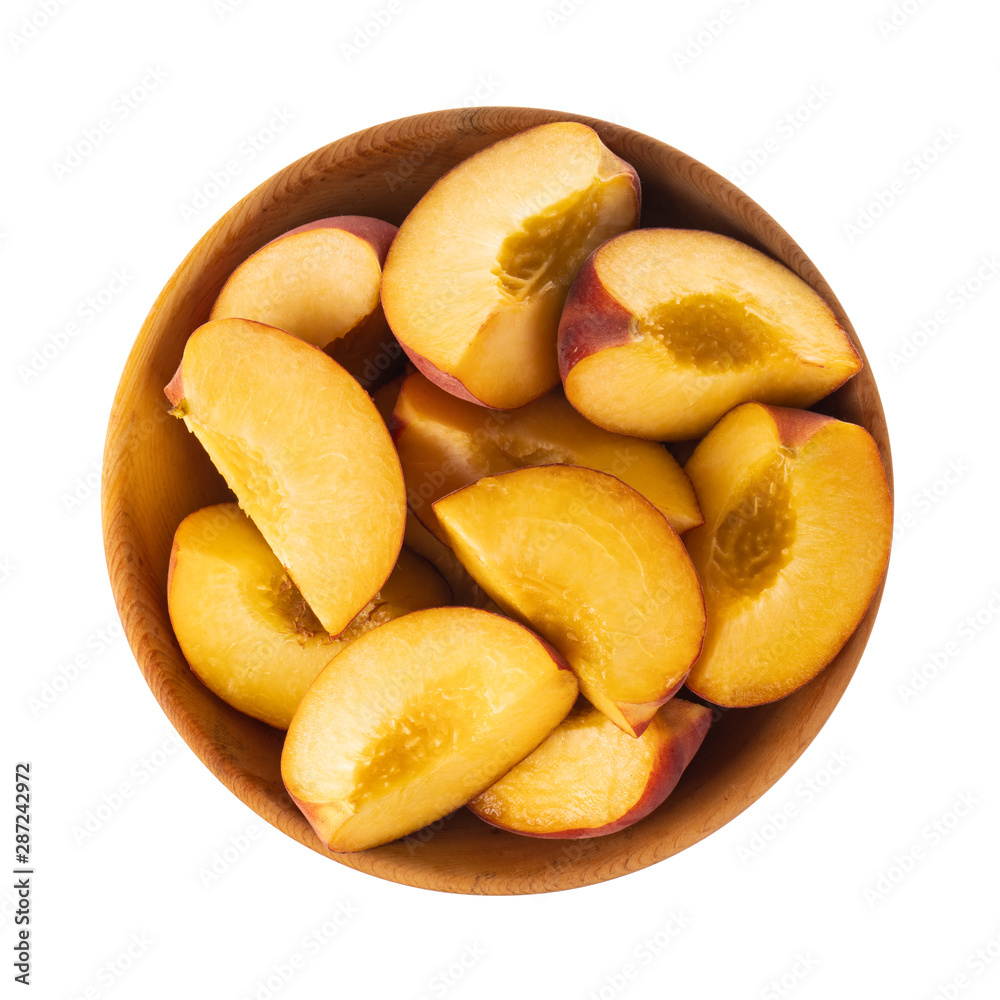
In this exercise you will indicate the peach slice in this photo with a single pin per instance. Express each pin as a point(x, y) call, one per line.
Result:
point(477, 275)
point(665, 330)
point(320, 282)
point(445, 443)
point(595, 569)
point(795, 542)
point(589, 779)
point(244, 627)
point(416, 717)
point(464, 589)
point(304, 449)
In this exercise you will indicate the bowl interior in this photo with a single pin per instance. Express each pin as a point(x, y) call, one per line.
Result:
point(155, 473)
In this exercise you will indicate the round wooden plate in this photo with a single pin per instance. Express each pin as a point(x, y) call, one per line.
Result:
point(155, 473)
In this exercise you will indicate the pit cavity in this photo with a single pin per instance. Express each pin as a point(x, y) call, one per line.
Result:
point(519, 454)
point(414, 741)
point(283, 602)
point(549, 247)
point(754, 542)
point(711, 333)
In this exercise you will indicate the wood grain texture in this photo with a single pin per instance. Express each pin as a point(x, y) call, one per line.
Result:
point(155, 473)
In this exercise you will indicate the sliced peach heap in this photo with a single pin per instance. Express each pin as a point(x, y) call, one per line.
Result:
point(593, 568)
point(320, 282)
point(445, 443)
point(304, 449)
point(519, 268)
point(665, 330)
point(589, 778)
point(476, 277)
point(416, 717)
point(798, 522)
point(244, 627)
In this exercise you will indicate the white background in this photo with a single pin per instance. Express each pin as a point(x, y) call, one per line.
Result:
point(825, 908)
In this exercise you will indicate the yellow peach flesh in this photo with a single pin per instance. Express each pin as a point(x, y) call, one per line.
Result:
point(694, 323)
point(590, 779)
point(478, 313)
point(320, 284)
point(795, 543)
point(445, 443)
point(595, 569)
point(306, 453)
point(415, 718)
point(244, 627)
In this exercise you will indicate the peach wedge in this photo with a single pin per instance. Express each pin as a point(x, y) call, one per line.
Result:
point(477, 275)
point(304, 449)
point(244, 627)
point(415, 718)
point(445, 443)
point(795, 541)
point(320, 282)
point(589, 778)
point(665, 330)
point(595, 569)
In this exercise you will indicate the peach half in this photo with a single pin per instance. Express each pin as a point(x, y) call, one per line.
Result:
point(445, 443)
point(244, 627)
point(665, 330)
point(478, 273)
point(416, 717)
point(320, 282)
point(304, 449)
point(798, 523)
point(589, 778)
point(595, 569)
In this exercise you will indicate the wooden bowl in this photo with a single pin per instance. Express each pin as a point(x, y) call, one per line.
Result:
point(155, 473)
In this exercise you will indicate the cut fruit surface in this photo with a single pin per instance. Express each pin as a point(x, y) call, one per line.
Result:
point(415, 718)
point(795, 542)
point(320, 282)
point(477, 275)
point(245, 628)
point(304, 449)
point(589, 778)
point(595, 569)
point(665, 330)
point(445, 443)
